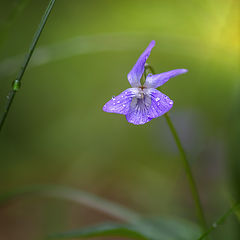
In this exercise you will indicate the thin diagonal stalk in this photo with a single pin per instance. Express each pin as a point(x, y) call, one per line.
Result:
point(187, 167)
point(17, 82)
point(221, 220)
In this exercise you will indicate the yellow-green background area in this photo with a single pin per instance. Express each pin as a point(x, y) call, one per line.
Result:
point(57, 133)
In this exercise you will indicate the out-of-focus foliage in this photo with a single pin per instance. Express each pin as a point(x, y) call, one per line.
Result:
point(158, 230)
point(56, 131)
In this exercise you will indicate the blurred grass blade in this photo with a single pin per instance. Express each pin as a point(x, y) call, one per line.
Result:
point(107, 229)
point(164, 229)
point(168, 228)
point(154, 228)
point(97, 43)
point(79, 45)
point(75, 195)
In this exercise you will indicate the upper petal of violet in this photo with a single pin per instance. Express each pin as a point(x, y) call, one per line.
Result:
point(136, 73)
point(154, 81)
point(121, 103)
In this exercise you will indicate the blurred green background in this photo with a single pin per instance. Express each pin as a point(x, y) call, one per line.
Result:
point(57, 133)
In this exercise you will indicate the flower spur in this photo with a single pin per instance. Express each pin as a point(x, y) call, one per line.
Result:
point(142, 103)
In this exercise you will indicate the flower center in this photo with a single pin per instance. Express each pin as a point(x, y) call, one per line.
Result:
point(142, 87)
point(141, 93)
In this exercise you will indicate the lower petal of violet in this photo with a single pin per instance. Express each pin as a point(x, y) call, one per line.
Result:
point(138, 112)
point(153, 105)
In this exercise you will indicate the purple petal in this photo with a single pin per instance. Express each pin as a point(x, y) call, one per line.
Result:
point(138, 112)
point(154, 81)
point(153, 105)
point(121, 103)
point(160, 104)
point(136, 73)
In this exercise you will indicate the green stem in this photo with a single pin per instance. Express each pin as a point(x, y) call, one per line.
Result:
point(17, 82)
point(187, 167)
point(220, 220)
point(189, 174)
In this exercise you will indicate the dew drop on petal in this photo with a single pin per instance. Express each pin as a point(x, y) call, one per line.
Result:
point(113, 98)
point(118, 101)
point(157, 99)
point(171, 102)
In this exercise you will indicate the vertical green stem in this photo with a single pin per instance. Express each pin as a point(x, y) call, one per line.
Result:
point(189, 174)
point(17, 82)
point(187, 167)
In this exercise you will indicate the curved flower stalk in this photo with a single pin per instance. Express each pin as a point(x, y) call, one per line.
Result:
point(141, 103)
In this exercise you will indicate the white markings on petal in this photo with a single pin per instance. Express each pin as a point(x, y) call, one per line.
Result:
point(138, 112)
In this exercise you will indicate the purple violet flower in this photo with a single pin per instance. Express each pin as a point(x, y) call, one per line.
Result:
point(142, 103)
